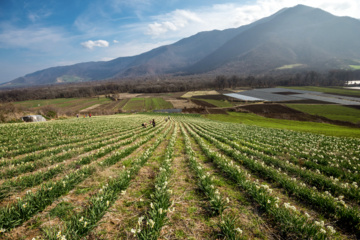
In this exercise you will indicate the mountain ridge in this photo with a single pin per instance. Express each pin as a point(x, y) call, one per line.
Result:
point(298, 35)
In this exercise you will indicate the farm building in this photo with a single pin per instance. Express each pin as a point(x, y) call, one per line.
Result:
point(33, 118)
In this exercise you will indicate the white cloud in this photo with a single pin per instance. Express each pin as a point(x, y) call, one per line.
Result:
point(41, 39)
point(115, 41)
point(91, 44)
point(39, 14)
point(172, 22)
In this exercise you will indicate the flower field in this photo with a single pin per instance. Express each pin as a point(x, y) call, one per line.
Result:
point(186, 178)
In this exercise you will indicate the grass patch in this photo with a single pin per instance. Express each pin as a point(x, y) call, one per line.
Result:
point(62, 102)
point(135, 104)
point(312, 127)
point(334, 112)
point(45, 102)
point(146, 104)
point(160, 103)
point(63, 211)
point(355, 67)
point(331, 90)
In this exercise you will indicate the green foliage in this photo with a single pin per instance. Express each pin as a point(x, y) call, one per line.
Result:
point(312, 127)
point(146, 104)
point(63, 210)
point(290, 66)
point(334, 112)
point(228, 229)
point(356, 67)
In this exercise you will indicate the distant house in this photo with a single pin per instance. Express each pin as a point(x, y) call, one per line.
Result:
point(33, 118)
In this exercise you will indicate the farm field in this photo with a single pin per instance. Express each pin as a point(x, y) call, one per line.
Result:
point(217, 103)
point(188, 178)
point(334, 112)
point(311, 127)
point(199, 93)
point(146, 104)
point(331, 90)
point(64, 102)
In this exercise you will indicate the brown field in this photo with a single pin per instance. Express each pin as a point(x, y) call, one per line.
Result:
point(198, 93)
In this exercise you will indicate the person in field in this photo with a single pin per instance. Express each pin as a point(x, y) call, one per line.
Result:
point(153, 122)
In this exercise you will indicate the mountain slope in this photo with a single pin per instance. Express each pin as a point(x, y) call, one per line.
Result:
point(299, 35)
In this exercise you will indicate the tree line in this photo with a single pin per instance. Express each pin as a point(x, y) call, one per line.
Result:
point(309, 78)
point(161, 84)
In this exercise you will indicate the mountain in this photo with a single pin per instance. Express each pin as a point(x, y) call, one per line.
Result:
point(300, 36)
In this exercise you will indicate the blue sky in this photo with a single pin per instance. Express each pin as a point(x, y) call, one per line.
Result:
point(37, 34)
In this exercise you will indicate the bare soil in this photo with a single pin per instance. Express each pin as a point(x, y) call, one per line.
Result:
point(202, 103)
point(181, 103)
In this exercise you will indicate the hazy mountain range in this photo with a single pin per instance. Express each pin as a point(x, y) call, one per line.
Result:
point(297, 37)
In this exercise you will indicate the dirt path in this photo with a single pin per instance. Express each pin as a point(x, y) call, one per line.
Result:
point(189, 220)
point(90, 108)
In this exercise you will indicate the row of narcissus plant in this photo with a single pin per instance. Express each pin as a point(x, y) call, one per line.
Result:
point(19, 139)
point(80, 224)
point(150, 225)
point(290, 220)
point(313, 178)
point(324, 202)
point(14, 215)
point(331, 171)
point(51, 156)
point(339, 157)
point(227, 224)
point(22, 182)
point(342, 154)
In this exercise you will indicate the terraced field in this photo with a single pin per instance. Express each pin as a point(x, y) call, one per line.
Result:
point(187, 178)
point(146, 104)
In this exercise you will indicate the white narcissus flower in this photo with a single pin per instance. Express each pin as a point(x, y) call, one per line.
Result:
point(140, 220)
point(151, 222)
point(331, 229)
point(239, 230)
